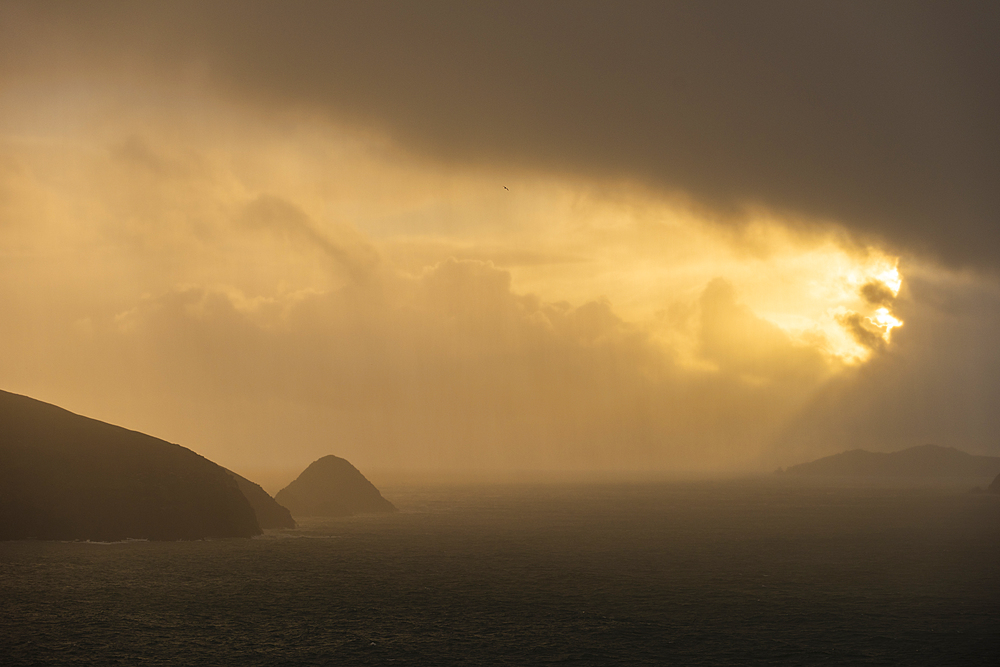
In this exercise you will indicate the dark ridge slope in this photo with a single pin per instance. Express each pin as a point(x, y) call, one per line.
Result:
point(927, 463)
point(269, 513)
point(67, 477)
point(332, 487)
point(995, 486)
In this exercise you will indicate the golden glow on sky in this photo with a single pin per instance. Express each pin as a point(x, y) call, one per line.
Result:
point(890, 278)
point(220, 234)
point(198, 261)
point(884, 320)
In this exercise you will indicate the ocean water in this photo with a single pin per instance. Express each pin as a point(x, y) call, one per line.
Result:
point(708, 573)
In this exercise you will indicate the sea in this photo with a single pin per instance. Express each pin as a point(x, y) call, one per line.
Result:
point(737, 572)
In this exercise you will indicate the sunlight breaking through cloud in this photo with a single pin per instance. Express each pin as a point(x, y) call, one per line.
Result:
point(323, 278)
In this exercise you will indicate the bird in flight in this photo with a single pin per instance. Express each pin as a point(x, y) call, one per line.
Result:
point(506, 188)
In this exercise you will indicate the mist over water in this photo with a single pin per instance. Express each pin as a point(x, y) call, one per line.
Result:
point(688, 573)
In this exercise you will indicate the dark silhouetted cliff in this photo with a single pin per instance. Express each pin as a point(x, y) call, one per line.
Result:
point(925, 463)
point(67, 477)
point(332, 487)
point(269, 513)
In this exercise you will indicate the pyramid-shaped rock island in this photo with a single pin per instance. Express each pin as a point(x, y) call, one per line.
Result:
point(332, 487)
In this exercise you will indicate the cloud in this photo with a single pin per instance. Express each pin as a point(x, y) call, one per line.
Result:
point(855, 325)
point(135, 152)
point(879, 117)
point(449, 370)
point(877, 293)
point(267, 288)
point(739, 341)
point(457, 371)
point(936, 383)
point(350, 252)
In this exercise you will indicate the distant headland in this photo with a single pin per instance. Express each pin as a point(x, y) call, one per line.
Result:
point(922, 464)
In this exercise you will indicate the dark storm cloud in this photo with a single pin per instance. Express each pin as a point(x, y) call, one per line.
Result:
point(854, 323)
point(881, 115)
point(877, 294)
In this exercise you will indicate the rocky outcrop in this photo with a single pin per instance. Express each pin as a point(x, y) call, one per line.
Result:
point(332, 487)
point(269, 513)
point(67, 477)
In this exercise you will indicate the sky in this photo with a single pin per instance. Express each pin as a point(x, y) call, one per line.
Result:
point(506, 239)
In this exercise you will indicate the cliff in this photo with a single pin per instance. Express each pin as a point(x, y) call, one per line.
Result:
point(67, 477)
point(332, 487)
point(269, 513)
point(925, 463)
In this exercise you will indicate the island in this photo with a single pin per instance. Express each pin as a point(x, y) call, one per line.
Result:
point(67, 477)
point(332, 487)
point(930, 464)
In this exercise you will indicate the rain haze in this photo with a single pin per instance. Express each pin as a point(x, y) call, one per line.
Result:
point(499, 333)
point(505, 239)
